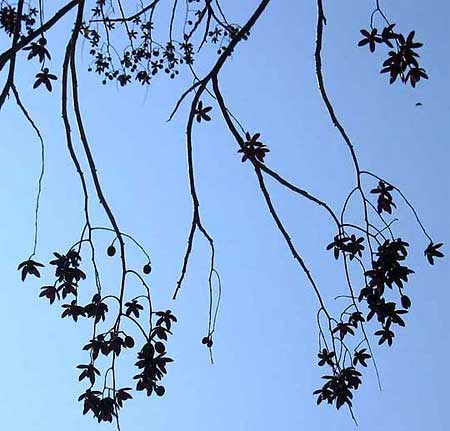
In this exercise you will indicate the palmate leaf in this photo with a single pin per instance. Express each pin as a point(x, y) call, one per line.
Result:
point(123, 395)
point(201, 112)
point(133, 307)
point(370, 38)
point(38, 49)
point(29, 267)
point(46, 78)
point(50, 292)
point(89, 371)
point(432, 251)
point(360, 357)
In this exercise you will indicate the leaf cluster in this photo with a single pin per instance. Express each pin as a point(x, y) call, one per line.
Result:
point(402, 61)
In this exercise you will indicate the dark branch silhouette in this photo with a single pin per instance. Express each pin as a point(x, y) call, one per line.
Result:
point(123, 50)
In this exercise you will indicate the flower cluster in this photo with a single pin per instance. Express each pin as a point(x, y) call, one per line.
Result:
point(253, 149)
point(385, 200)
point(339, 386)
point(382, 295)
point(144, 57)
point(402, 61)
point(9, 16)
point(347, 244)
point(106, 401)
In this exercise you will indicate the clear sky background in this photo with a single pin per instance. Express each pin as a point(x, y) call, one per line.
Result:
point(266, 344)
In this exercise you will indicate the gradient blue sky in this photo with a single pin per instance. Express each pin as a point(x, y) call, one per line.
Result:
point(265, 347)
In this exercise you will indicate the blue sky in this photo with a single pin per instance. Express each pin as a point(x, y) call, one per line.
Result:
point(266, 345)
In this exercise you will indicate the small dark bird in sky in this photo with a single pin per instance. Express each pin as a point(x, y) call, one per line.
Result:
point(418, 104)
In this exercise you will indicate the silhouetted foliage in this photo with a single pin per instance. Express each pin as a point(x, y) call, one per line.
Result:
point(122, 43)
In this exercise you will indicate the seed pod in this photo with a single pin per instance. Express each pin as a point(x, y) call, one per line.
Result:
point(160, 390)
point(111, 250)
point(147, 268)
point(159, 347)
point(129, 342)
point(406, 302)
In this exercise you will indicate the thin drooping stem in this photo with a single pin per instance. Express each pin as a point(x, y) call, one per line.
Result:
point(321, 21)
point(200, 87)
point(42, 170)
